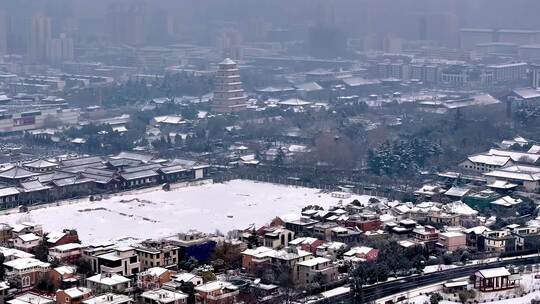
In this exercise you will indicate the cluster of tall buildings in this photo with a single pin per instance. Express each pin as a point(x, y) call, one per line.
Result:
point(35, 39)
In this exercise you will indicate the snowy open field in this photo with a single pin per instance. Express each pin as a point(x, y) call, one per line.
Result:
point(153, 214)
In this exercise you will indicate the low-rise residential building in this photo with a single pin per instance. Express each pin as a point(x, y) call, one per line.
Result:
point(74, 295)
point(123, 261)
point(4, 291)
point(66, 236)
point(260, 258)
point(157, 254)
point(193, 244)
point(276, 237)
point(527, 238)
point(25, 272)
point(27, 242)
point(323, 230)
point(216, 292)
point(11, 254)
point(451, 241)
point(64, 277)
point(330, 250)
point(486, 162)
point(316, 270)
point(31, 298)
point(67, 253)
point(109, 298)
point(25, 228)
point(361, 254)
point(306, 243)
point(427, 235)
point(498, 241)
point(108, 282)
point(474, 236)
point(345, 235)
point(187, 277)
point(153, 278)
point(302, 226)
point(163, 296)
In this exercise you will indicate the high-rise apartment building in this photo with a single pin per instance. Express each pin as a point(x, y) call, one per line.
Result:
point(39, 37)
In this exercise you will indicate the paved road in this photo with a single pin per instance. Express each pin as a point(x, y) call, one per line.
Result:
point(374, 292)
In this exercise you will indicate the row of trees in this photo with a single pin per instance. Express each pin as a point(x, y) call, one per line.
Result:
point(402, 156)
point(133, 91)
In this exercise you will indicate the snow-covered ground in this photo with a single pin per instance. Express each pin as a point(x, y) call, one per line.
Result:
point(153, 214)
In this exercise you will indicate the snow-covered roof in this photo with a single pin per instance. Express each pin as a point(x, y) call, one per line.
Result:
point(303, 240)
point(459, 207)
point(25, 263)
point(8, 191)
point(499, 184)
point(215, 285)
point(40, 163)
point(12, 253)
point(534, 149)
point(156, 271)
point(108, 279)
point(429, 190)
point(54, 236)
point(77, 292)
point(359, 81)
point(78, 140)
point(527, 93)
point(335, 292)
point(493, 272)
point(63, 270)
point(134, 156)
point(507, 201)
point(309, 86)
point(185, 277)
point(31, 298)
point(386, 218)
point(487, 159)
point(314, 262)
point(164, 296)
point(358, 250)
point(457, 191)
point(34, 185)
point(402, 209)
point(16, 173)
point(518, 172)
point(295, 102)
point(169, 119)
point(109, 298)
point(67, 247)
point(451, 234)
point(516, 156)
point(29, 237)
point(406, 243)
point(227, 61)
point(477, 230)
point(120, 129)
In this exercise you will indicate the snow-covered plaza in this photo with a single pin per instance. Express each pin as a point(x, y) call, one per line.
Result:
point(154, 213)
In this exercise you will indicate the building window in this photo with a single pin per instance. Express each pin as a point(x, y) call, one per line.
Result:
point(25, 281)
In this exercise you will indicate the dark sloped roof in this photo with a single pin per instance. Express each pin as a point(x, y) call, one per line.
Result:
point(82, 161)
point(40, 163)
point(34, 185)
point(138, 174)
point(17, 173)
